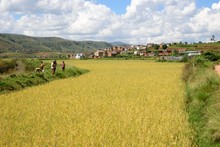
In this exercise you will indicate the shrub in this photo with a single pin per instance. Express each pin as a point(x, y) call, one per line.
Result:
point(6, 65)
point(211, 56)
point(185, 59)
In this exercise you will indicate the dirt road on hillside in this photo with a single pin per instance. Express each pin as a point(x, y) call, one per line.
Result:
point(217, 69)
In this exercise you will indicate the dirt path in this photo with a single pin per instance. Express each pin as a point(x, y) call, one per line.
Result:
point(217, 68)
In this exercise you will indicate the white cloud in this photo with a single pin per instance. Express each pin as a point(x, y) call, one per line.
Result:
point(216, 6)
point(7, 22)
point(144, 20)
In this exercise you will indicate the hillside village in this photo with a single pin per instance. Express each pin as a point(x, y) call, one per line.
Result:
point(149, 50)
point(20, 46)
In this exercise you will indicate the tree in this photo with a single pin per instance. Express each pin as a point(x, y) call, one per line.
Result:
point(211, 56)
point(164, 46)
point(156, 53)
point(147, 50)
point(174, 52)
point(212, 38)
point(156, 46)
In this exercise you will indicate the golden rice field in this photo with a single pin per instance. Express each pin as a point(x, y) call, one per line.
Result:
point(116, 104)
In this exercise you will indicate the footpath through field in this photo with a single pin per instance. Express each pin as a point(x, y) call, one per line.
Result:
point(217, 69)
point(118, 103)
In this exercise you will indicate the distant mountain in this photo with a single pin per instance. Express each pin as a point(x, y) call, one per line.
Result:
point(26, 44)
point(118, 43)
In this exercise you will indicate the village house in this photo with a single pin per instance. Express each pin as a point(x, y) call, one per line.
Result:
point(138, 47)
point(162, 52)
point(179, 51)
point(71, 56)
point(193, 53)
point(99, 54)
point(150, 45)
point(143, 54)
point(112, 53)
point(79, 55)
point(151, 54)
point(161, 45)
point(143, 47)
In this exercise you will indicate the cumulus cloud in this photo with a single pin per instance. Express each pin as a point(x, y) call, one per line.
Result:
point(144, 20)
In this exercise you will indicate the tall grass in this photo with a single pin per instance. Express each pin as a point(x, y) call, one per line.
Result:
point(202, 87)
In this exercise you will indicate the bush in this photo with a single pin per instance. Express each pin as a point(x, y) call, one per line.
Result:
point(6, 65)
point(185, 59)
point(30, 64)
point(211, 56)
point(200, 61)
point(30, 78)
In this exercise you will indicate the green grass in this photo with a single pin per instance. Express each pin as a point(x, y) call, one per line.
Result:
point(14, 81)
point(203, 101)
point(26, 45)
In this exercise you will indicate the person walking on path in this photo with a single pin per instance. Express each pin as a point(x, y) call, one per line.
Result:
point(63, 66)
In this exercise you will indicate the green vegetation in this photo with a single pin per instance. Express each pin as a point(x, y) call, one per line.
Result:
point(7, 65)
point(203, 100)
point(29, 77)
point(28, 46)
point(213, 47)
point(212, 56)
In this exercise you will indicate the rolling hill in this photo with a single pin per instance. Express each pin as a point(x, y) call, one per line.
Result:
point(28, 45)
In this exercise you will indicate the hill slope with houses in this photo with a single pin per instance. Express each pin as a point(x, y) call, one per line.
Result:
point(156, 50)
point(12, 45)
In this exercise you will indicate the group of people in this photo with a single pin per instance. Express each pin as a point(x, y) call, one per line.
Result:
point(53, 67)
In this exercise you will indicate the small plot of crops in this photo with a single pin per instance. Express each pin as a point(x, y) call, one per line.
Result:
point(118, 103)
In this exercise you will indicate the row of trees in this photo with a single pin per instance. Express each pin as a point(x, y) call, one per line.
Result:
point(156, 46)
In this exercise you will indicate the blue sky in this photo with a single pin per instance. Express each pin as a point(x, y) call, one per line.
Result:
point(205, 3)
point(119, 6)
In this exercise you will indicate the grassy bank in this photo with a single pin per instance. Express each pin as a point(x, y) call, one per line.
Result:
point(203, 101)
point(28, 77)
point(7, 65)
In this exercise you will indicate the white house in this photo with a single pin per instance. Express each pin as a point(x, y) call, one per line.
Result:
point(78, 56)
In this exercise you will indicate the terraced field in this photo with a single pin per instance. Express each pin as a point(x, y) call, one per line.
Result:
point(118, 103)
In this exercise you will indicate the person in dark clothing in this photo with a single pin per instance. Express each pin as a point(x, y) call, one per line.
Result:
point(63, 66)
point(42, 66)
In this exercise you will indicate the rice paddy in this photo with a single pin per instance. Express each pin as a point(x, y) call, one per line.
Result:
point(118, 103)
